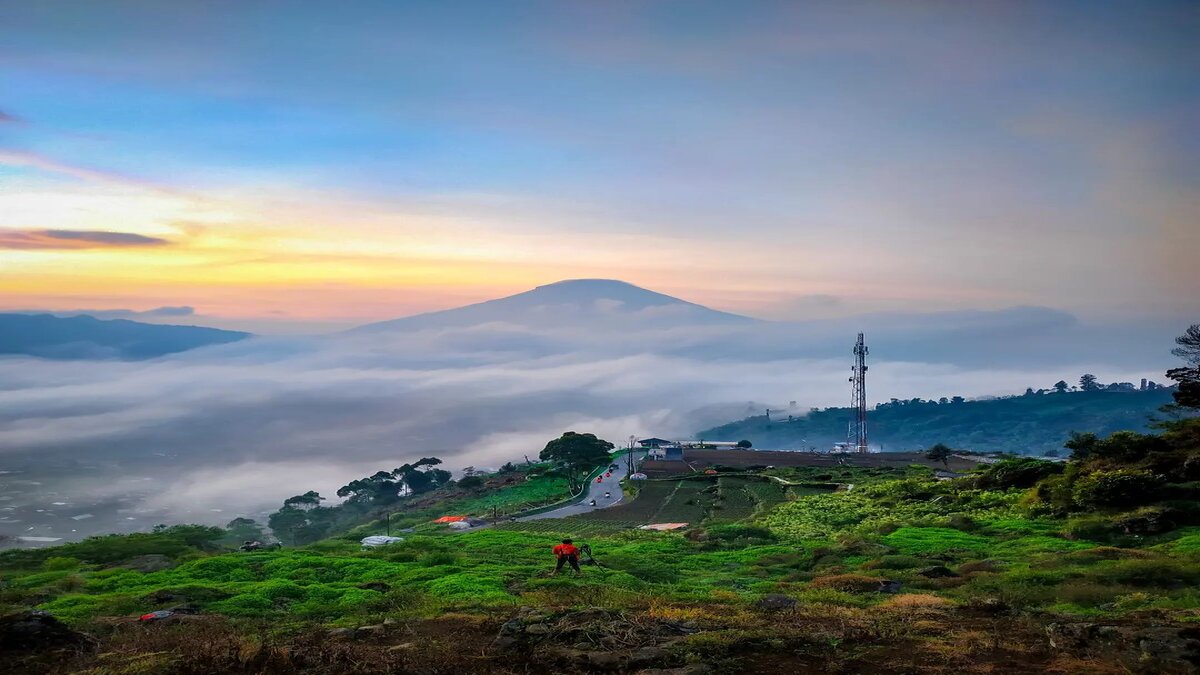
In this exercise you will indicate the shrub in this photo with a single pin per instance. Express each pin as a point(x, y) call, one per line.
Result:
point(1123, 487)
point(847, 583)
point(439, 558)
point(897, 562)
point(60, 562)
point(1022, 472)
point(739, 535)
point(1091, 527)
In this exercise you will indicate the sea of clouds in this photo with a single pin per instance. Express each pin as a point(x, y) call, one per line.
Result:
point(241, 426)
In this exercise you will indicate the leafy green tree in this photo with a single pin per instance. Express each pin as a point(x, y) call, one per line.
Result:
point(420, 476)
point(244, 529)
point(745, 444)
point(1087, 382)
point(308, 500)
point(939, 453)
point(1187, 394)
point(575, 455)
point(1019, 472)
point(1061, 386)
point(379, 488)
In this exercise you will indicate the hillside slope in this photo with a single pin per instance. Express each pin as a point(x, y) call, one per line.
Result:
point(86, 337)
point(1022, 424)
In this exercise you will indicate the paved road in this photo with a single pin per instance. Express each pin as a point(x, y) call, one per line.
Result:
point(595, 491)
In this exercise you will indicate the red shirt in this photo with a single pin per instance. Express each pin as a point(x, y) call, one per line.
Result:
point(565, 550)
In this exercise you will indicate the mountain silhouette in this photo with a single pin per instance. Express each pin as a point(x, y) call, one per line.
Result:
point(583, 302)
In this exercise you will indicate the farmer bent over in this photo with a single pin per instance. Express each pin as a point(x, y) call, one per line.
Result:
point(566, 553)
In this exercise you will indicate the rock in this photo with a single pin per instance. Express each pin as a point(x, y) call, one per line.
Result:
point(389, 621)
point(605, 660)
point(989, 606)
point(648, 656)
point(936, 572)
point(401, 647)
point(33, 630)
point(151, 562)
point(341, 632)
point(776, 602)
point(372, 629)
point(377, 586)
point(1155, 649)
point(537, 629)
point(886, 586)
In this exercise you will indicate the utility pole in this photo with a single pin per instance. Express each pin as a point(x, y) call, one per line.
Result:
point(858, 426)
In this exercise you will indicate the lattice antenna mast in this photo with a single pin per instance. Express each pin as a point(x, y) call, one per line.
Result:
point(858, 426)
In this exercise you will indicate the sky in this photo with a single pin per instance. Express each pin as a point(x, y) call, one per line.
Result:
point(296, 167)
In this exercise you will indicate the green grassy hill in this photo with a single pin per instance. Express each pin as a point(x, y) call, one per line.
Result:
point(1021, 424)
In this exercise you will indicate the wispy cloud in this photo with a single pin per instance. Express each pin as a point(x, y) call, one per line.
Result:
point(6, 118)
point(74, 239)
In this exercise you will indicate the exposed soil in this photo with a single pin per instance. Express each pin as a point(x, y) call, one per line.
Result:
point(914, 638)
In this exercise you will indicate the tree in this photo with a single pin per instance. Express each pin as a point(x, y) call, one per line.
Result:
point(943, 400)
point(939, 453)
point(1029, 391)
point(1087, 382)
point(1187, 395)
point(745, 444)
point(958, 399)
point(308, 500)
point(470, 482)
point(1061, 386)
point(420, 476)
point(380, 488)
point(508, 467)
point(575, 455)
point(244, 529)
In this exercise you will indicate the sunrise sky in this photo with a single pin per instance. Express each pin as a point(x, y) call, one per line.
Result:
point(324, 164)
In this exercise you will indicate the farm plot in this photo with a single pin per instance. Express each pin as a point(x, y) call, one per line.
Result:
point(767, 494)
point(688, 503)
point(733, 502)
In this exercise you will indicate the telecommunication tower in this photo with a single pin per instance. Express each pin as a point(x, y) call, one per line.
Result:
point(857, 436)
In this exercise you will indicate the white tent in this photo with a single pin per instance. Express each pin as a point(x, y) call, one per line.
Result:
point(380, 540)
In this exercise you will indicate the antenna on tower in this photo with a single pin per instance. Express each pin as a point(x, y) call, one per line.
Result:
point(857, 436)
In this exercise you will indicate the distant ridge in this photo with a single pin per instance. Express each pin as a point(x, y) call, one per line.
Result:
point(86, 337)
point(570, 302)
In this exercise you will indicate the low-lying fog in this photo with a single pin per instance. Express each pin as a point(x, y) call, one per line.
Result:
point(210, 434)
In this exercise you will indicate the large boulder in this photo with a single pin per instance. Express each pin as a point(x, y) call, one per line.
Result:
point(33, 630)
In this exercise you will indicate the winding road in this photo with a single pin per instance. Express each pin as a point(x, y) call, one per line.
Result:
point(595, 491)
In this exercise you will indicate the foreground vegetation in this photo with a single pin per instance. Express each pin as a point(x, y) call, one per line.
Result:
point(970, 573)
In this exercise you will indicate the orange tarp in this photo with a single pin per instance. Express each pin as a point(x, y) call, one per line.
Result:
point(450, 519)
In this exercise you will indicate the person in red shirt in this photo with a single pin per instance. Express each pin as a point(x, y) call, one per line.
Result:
point(566, 553)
